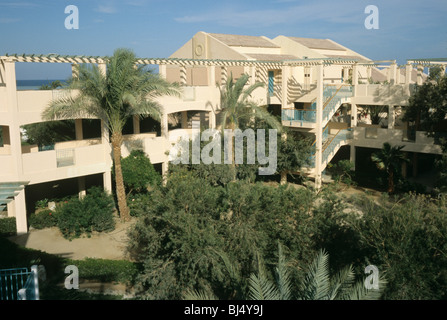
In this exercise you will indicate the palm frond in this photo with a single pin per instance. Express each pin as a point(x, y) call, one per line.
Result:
point(198, 295)
point(283, 278)
point(261, 288)
point(316, 282)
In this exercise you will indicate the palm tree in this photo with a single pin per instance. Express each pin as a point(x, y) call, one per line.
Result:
point(236, 106)
point(317, 285)
point(238, 110)
point(389, 159)
point(124, 90)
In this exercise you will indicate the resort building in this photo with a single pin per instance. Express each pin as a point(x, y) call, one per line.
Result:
point(320, 89)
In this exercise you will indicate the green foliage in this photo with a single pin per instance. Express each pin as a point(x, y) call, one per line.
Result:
point(138, 172)
point(318, 283)
point(43, 219)
point(428, 104)
point(94, 212)
point(42, 204)
point(389, 159)
point(53, 85)
point(407, 240)
point(191, 229)
point(293, 152)
point(8, 227)
point(50, 132)
point(105, 270)
point(342, 171)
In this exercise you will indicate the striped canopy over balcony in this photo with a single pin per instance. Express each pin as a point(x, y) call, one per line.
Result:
point(75, 59)
point(8, 190)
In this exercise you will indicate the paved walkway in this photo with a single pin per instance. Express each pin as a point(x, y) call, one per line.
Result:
point(111, 245)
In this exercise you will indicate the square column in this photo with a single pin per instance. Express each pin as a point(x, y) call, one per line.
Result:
point(391, 117)
point(211, 76)
point(78, 129)
point(105, 140)
point(136, 124)
point(319, 128)
point(419, 77)
point(408, 70)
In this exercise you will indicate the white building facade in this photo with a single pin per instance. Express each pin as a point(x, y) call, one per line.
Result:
point(319, 88)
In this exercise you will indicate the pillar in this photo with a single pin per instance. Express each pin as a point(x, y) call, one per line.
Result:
point(162, 71)
point(74, 71)
point(102, 67)
point(392, 73)
point(184, 119)
point(212, 119)
point(20, 213)
point(352, 155)
point(355, 76)
point(369, 73)
point(136, 124)
point(319, 128)
point(183, 75)
point(391, 117)
point(164, 125)
point(408, 70)
point(107, 175)
point(420, 69)
point(78, 129)
point(223, 75)
point(354, 116)
point(81, 187)
point(18, 208)
point(285, 73)
point(211, 75)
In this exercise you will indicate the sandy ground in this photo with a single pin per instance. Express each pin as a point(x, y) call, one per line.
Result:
point(111, 245)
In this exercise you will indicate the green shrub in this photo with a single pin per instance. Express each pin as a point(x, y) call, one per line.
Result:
point(406, 239)
point(8, 226)
point(43, 219)
point(94, 212)
point(42, 204)
point(138, 172)
point(105, 270)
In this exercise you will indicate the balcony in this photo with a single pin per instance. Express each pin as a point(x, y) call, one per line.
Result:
point(414, 141)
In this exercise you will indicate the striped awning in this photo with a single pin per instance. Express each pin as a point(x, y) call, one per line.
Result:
point(55, 58)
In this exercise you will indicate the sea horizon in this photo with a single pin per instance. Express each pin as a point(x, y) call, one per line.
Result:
point(35, 84)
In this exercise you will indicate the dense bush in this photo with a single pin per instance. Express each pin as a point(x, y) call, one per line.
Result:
point(191, 232)
point(94, 212)
point(105, 270)
point(8, 226)
point(43, 219)
point(407, 240)
point(138, 172)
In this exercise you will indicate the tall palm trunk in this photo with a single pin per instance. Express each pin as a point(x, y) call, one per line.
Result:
point(390, 181)
point(283, 177)
point(117, 140)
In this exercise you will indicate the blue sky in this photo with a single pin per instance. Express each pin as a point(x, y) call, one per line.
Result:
point(156, 28)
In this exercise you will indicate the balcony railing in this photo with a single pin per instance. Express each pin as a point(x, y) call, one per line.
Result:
point(19, 284)
point(332, 97)
point(65, 157)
